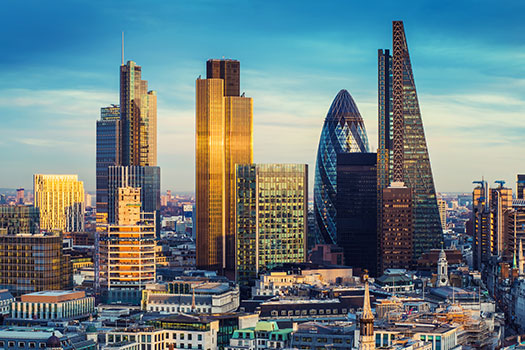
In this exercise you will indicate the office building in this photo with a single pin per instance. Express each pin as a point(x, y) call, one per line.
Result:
point(356, 203)
point(138, 115)
point(127, 250)
point(16, 219)
point(60, 199)
point(442, 206)
point(227, 70)
point(224, 138)
point(402, 151)
point(271, 218)
point(47, 306)
point(108, 153)
point(483, 225)
point(343, 132)
point(33, 262)
point(520, 186)
point(20, 196)
point(145, 178)
point(397, 235)
point(43, 338)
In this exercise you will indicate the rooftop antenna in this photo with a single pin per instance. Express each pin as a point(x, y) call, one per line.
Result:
point(122, 54)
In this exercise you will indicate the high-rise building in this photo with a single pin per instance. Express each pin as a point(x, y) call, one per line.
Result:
point(402, 151)
point(138, 115)
point(127, 250)
point(483, 225)
point(271, 215)
point(146, 178)
point(343, 132)
point(33, 262)
point(16, 219)
point(224, 138)
point(108, 153)
point(397, 235)
point(356, 203)
point(20, 196)
point(520, 186)
point(442, 206)
point(60, 199)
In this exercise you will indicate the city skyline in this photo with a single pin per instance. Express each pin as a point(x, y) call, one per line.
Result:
point(469, 110)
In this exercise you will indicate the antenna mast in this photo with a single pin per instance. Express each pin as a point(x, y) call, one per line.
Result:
point(122, 54)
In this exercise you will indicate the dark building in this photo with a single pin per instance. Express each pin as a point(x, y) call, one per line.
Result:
point(147, 178)
point(19, 219)
point(402, 151)
point(520, 186)
point(229, 71)
point(356, 204)
point(397, 235)
point(33, 263)
point(108, 152)
point(326, 254)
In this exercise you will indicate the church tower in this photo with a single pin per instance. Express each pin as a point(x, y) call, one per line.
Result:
point(442, 273)
point(366, 334)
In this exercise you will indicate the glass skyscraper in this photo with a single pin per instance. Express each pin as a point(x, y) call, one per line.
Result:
point(271, 218)
point(343, 132)
point(402, 152)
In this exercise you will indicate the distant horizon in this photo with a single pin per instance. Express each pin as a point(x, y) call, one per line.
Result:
point(295, 57)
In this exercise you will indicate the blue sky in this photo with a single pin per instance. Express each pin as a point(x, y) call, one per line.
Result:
point(59, 64)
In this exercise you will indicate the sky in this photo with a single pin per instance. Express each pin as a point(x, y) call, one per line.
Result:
point(59, 64)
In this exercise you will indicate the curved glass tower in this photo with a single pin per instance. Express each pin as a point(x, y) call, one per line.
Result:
point(343, 132)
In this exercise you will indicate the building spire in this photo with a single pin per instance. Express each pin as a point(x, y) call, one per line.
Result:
point(367, 310)
point(122, 53)
point(366, 331)
point(521, 259)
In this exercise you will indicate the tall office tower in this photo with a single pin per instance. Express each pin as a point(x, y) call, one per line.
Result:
point(60, 199)
point(442, 206)
point(224, 138)
point(20, 196)
point(33, 262)
point(227, 70)
point(520, 186)
point(271, 215)
point(146, 178)
point(483, 225)
point(108, 154)
point(396, 237)
point(16, 219)
point(343, 132)
point(138, 115)
point(127, 250)
point(402, 152)
point(356, 203)
point(501, 207)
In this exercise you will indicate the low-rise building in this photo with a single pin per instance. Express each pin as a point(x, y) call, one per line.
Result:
point(57, 305)
point(31, 338)
point(6, 299)
point(302, 310)
point(442, 336)
point(314, 335)
point(265, 335)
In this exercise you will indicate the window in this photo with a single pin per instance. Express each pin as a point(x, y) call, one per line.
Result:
point(32, 344)
point(189, 336)
point(199, 337)
point(11, 344)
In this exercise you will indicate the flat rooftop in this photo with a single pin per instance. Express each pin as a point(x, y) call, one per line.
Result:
point(53, 296)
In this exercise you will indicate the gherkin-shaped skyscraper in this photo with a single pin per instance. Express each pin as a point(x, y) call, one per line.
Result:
point(343, 132)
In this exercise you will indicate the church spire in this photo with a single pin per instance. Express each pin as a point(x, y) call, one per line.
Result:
point(366, 334)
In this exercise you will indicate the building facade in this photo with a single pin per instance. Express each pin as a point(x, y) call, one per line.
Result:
point(442, 206)
point(224, 138)
point(356, 203)
point(33, 262)
point(127, 251)
point(16, 219)
point(60, 200)
point(271, 214)
point(138, 115)
point(108, 152)
point(343, 132)
point(402, 151)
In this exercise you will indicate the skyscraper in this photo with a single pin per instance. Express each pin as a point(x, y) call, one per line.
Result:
point(343, 132)
point(402, 151)
point(60, 199)
point(138, 115)
point(227, 70)
point(16, 219)
point(520, 186)
point(224, 138)
point(356, 203)
point(127, 250)
point(442, 206)
point(271, 218)
point(108, 153)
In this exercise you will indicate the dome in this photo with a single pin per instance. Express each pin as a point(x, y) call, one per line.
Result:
point(343, 132)
point(53, 342)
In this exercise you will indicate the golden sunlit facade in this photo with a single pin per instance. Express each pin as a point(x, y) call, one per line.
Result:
point(127, 250)
point(60, 199)
point(224, 129)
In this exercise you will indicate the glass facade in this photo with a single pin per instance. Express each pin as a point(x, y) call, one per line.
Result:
point(271, 218)
point(343, 132)
point(19, 219)
point(402, 152)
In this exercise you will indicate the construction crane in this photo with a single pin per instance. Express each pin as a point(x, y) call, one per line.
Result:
point(500, 182)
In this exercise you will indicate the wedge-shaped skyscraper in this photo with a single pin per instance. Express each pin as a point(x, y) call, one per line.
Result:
point(343, 132)
point(402, 151)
